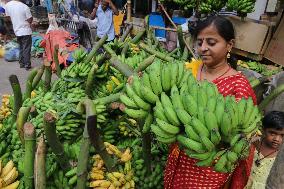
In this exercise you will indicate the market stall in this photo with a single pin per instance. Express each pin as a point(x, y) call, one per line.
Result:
point(109, 118)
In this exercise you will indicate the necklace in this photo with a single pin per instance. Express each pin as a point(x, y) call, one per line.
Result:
point(258, 160)
point(218, 76)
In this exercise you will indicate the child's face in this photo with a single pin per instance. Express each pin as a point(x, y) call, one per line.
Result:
point(273, 137)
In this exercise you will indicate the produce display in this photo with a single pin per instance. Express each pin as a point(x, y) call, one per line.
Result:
point(262, 69)
point(209, 6)
point(108, 119)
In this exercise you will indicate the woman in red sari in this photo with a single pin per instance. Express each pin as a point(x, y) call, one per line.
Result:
point(215, 38)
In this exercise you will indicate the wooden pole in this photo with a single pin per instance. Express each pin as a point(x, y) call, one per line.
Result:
point(168, 16)
point(128, 11)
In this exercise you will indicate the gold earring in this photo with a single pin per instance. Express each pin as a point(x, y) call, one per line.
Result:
point(229, 55)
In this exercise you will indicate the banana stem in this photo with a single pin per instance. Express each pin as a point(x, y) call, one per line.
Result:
point(47, 79)
point(147, 62)
point(30, 145)
point(174, 51)
point(40, 171)
point(38, 77)
point(108, 99)
point(53, 140)
point(98, 45)
point(276, 92)
point(109, 50)
point(89, 108)
point(126, 33)
point(56, 60)
point(146, 146)
point(158, 54)
point(90, 80)
point(18, 99)
point(23, 115)
point(122, 68)
point(29, 84)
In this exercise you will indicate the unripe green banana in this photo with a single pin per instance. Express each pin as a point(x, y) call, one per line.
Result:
point(215, 136)
point(159, 132)
point(148, 95)
point(168, 128)
point(207, 162)
point(191, 144)
point(166, 77)
point(176, 99)
point(136, 114)
point(183, 116)
point(174, 74)
point(232, 156)
point(199, 156)
point(191, 133)
point(199, 127)
point(127, 101)
point(171, 116)
point(190, 105)
point(220, 165)
point(239, 146)
point(210, 120)
point(155, 78)
point(148, 121)
point(207, 143)
point(159, 112)
point(226, 124)
point(211, 104)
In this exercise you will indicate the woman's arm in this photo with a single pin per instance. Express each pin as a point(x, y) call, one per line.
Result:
point(113, 7)
point(94, 12)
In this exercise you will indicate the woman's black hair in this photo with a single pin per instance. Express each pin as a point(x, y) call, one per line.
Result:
point(274, 120)
point(224, 27)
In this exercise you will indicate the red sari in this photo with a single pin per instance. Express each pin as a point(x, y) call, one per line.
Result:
point(181, 171)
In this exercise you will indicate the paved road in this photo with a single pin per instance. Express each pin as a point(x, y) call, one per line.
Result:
point(8, 68)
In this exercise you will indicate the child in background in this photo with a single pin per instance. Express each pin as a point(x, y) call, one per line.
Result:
point(266, 149)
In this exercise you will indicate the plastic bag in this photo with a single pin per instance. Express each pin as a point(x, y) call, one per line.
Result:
point(12, 55)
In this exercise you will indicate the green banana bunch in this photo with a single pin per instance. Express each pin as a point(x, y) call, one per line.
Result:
point(60, 180)
point(69, 126)
point(79, 55)
point(151, 179)
point(241, 6)
point(72, 177)
point(50, 164)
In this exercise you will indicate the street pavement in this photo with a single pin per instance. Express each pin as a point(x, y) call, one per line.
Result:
point(9, 68)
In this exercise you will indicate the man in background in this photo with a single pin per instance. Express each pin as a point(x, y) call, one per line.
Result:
point(21, 18)
point(104, 11)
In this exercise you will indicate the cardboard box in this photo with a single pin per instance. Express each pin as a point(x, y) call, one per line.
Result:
point(250, 36)
point(274, 51)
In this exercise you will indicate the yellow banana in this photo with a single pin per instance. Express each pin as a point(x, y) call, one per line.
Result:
point(118, 175)
point(126, 156)
point(13, 185)
point(96, 183)
point(97, 176)
point(105, 184)
point(115, 80)
point(10, 177)
point(8, 167)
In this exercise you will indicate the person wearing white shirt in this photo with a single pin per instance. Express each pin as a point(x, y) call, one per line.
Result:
point(104, 11)
point(21, 18)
